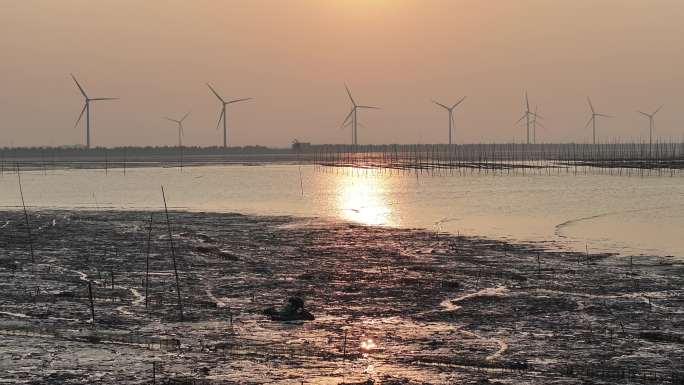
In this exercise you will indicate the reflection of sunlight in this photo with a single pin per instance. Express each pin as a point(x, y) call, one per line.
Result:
point(362, 199)
point(368, 345)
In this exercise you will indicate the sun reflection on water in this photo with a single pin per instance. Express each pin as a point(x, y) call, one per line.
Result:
point(363, 199)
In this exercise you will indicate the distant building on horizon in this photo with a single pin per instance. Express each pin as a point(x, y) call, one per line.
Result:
point(300, 146)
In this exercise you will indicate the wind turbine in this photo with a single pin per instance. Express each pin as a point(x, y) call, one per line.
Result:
point(353, 114)
point(451, 114)
point(224, 115)
point(527, 116)
point(180, 127)
point(651, 122)
point(86, 109)
point(592, 120)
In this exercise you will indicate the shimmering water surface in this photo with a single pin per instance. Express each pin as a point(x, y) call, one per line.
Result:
point(604, 213)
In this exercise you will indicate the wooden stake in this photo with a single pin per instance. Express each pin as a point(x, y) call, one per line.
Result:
point(173, 255)
point(26, 218)
point(147, 265)
point(344, 346)
point(538, 265)
point(92, 305)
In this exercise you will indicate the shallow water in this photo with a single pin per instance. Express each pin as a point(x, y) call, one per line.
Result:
point(629, 215)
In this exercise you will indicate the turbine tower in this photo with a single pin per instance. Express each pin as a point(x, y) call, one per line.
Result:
point(353, 114)
point(224, 115)
point(86, 109)
point(451, 114)
point(592, 119)
point(180, 128)
point(651, 118)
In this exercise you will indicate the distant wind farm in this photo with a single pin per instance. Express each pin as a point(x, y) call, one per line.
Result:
point(615, 152)
point(530, 120)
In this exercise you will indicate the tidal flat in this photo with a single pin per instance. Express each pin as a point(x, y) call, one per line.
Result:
point(391, 306)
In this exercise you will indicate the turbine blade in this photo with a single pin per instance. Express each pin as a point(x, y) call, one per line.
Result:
point(350, 95)
point(347, 118)
point(215, 93)
point(171, 120)
point(105, 99)
point(527, 101)
point(220, 117)
point(369, 107)
point(521, 119)
point(603, 115)
point(459, 102)
point(589, 122)
point(80, 115)
point(79, 86)
point(644, 114)
point(184, 116)
point(238, 100)
point(656, 111)
point(590, 105)
point(441, 105)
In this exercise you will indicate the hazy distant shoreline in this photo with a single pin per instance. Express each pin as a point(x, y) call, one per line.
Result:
point(131, 157)
point(502, 156)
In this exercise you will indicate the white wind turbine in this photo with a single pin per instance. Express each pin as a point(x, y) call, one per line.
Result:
point(651, 124)
point(224, 115)
point(353, 114)
point(86, 109)
point(592, 119)
point(528, 115)
point(451, 114)
point(179, 123)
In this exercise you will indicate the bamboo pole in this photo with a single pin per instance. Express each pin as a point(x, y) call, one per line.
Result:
point(92, 305)
point(173, 256)
point(147, 265)
point(26, 218)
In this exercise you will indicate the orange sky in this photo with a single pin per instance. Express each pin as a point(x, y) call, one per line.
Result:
point(295, 56)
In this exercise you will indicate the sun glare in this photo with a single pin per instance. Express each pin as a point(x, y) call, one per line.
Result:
point(363, 200)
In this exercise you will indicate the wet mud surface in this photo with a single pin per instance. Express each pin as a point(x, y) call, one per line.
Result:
point(391, 306)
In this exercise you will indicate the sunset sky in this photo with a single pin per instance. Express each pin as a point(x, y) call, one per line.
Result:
point(294, 57)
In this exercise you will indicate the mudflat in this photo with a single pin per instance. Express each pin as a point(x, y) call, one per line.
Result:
point(391, 306)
